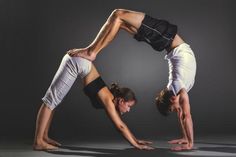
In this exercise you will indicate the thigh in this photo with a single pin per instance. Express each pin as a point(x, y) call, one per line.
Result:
point(65, 75)
point(61, 83)
point(132, 18)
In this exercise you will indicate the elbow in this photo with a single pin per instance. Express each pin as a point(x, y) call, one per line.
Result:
point(117, 14)
point(121, 127)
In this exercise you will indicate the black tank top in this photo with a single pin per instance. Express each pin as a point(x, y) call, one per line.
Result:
point(92, 89)
point(156, 32)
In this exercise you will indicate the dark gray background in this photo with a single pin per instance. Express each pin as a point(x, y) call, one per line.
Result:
point(36, 34)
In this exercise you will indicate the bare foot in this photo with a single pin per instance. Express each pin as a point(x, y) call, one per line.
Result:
point(178, 141)
point(42, 145)
point(51, 141)
point(83, 52)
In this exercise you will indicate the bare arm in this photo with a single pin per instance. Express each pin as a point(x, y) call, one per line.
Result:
point(180, 114)
point(183, 139)
point(106, 97)
point(180, 117)
point(185, 120)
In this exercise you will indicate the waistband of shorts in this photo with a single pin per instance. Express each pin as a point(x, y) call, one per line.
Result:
point(183, 45)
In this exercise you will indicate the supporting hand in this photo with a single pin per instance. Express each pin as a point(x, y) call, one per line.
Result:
point(143, 142)
point(144, 147)
point(179, 141)
point(182, 147)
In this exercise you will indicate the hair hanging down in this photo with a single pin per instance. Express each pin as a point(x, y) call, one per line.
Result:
point(125, 93)
point(163, 102)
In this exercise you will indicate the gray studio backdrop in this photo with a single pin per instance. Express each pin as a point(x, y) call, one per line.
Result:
point(36, 34)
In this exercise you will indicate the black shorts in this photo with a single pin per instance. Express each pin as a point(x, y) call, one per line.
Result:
point(92, 89)
point(158, 33)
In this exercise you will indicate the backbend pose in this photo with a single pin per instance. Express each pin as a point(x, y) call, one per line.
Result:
point(115, 101)
point(161, 35)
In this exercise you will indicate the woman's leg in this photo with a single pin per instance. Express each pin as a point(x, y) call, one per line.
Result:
point(60, 86)
point(119, 19)
point(43, 117)
point(45, 136)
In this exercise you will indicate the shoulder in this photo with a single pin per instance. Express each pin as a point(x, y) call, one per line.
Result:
point(183, 95)
point(105, 95)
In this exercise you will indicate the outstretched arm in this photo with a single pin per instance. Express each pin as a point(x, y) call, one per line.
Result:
point(105, 96)
point(186, 121)
point(128, 20)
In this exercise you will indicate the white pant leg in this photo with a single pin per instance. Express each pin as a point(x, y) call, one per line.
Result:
point(62, 82)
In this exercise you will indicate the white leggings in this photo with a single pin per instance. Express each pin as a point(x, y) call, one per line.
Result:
point(64, 78)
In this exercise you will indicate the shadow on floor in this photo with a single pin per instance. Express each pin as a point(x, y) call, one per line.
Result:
point(214, 143)
point(101, 152)
point(219, 149)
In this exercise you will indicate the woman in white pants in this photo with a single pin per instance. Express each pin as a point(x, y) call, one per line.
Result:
point(115, 100)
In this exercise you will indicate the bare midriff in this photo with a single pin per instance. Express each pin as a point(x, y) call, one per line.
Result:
point(92, 75)
point(176, 42)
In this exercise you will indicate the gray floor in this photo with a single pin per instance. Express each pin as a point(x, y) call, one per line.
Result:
point(217, 146)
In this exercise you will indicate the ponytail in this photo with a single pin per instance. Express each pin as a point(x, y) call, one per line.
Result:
point(115, 90)
point(124, 93)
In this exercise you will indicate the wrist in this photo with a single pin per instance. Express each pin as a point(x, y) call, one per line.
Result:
point(190, 145)
point(185, 138)
point(136, 145)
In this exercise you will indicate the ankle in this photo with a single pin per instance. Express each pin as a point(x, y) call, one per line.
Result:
point(45, 135)
point(88, 50)
point(38, 141)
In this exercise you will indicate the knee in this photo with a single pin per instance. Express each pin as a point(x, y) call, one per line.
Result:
point(118, 13)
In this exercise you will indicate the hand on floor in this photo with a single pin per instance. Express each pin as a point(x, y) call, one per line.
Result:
point(178, 141)
point(182, 147)
point(143, 142)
